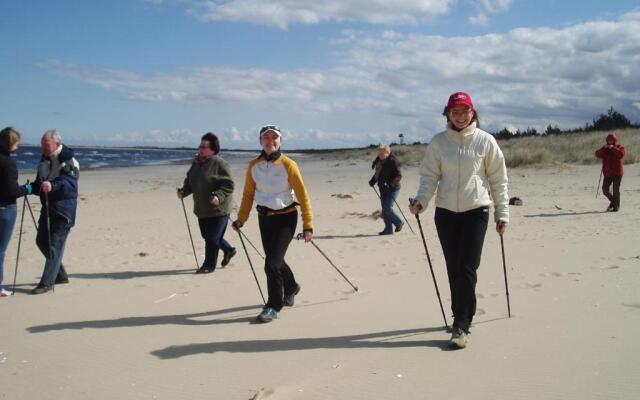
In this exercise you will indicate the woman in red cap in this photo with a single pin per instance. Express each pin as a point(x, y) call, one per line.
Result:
point(612, 154)
point(464, 167)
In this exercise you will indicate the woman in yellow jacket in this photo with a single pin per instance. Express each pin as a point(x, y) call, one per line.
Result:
point(467, 169)
point(271, 180)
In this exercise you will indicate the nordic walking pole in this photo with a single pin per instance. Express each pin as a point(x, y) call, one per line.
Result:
point(189, 229)
point(15, 273)
point(598, 187)
point(31, 212)
point(504, 267)
point(399, 209)
point(254, 247)
point(424, 242)
point(251, 265)
point(300, 236)
point(405, 218)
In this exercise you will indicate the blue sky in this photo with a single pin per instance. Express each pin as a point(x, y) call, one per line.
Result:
point(330, 74)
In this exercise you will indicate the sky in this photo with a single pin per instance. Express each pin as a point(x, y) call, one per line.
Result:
point(330, 74)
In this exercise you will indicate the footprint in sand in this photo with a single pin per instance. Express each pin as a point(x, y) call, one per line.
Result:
point(612, 267)
point(530, 285)
point(391, 273)
point(480, 311)
point(480, 296)
point(631, 305)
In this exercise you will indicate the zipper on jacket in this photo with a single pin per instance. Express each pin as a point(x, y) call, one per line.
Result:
point(458, 183)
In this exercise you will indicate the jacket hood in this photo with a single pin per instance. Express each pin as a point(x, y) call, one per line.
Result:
point(612, 137)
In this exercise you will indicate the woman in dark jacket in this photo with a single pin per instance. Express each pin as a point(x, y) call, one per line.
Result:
point(209, 180)
point(9, 192)
point(387, 175)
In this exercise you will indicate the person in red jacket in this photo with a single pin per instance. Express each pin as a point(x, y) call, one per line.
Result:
point(612, 154)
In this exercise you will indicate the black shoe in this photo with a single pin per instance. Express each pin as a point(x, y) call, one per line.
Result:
point(204, 270)
point(62, 281)
point(268, 314)
point(458, 339)
point(41, 289)
point(227, 257)
point(399, 227)
point(289, 300)
point(385, 233)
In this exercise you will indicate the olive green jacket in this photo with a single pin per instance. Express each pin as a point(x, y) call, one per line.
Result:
point(208, 178)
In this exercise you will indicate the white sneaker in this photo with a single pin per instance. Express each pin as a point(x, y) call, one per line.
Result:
point(458, 339)
point(5, 293)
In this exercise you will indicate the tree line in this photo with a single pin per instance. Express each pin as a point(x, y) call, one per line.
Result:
point(605, 122)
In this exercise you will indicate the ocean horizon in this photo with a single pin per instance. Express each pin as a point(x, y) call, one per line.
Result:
point(28, 156)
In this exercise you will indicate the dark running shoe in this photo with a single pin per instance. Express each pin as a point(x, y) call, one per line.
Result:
point(399, 227)
point(62, 281)
point(268, 314)
point(204, 270)
point(227, 257)
point(290, 299)
point(40, 289)
point(385, 233)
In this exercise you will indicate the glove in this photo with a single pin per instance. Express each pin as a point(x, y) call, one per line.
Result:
point(372, 182)
point(28, 188)
point(236, 225)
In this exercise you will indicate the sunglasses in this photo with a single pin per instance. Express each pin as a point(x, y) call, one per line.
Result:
point(269, 128)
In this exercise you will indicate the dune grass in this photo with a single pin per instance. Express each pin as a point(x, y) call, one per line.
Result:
point(543, 151)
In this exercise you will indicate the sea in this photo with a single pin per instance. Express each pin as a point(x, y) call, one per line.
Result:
point(27, 157)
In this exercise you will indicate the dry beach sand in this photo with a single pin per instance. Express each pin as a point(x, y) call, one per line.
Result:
point(136, 322)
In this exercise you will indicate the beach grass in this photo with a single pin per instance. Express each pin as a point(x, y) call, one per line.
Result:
point(541, 151)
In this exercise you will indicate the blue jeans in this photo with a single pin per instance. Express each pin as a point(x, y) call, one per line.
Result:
point(390, 218)
point(8, 215)
point(53, 267)
point(212, 230)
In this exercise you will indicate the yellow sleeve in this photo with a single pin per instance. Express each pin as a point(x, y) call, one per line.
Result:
point(248, 194)
point(297, 184)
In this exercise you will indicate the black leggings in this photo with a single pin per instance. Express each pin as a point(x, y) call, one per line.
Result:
point(276, 232)
point(462, 236)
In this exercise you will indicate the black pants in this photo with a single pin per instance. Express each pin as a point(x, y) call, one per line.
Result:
point(614, 198)
point(462, 237)
point(276, 232)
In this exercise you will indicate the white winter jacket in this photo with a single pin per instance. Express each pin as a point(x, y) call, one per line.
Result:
point(466, 168)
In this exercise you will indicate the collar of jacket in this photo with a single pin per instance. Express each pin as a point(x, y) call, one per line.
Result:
point(270, 157)
point(458, 136)
point(65, 153)
point(202, 160)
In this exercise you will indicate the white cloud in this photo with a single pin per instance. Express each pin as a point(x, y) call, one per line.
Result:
point(526, 77)
point(281, 13)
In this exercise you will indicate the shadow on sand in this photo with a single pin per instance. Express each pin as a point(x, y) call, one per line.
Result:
point(367, 340)
point(184, 319)
point(563, 214)
point(130, 274)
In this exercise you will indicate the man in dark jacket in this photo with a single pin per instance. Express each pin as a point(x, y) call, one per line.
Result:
point(387, 175)
point(57, 185)
point(612, 154)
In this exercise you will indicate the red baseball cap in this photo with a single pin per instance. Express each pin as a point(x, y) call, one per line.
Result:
point(460, 99)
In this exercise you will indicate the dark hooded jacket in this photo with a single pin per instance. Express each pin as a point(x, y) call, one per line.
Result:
point(387, 173)
point(612, 157)
point(9, 188)
point(63, 198)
